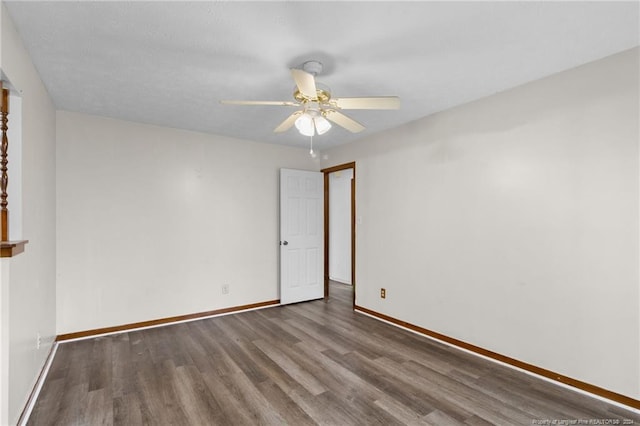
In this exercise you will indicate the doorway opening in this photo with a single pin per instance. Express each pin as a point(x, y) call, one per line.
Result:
point(342, 270)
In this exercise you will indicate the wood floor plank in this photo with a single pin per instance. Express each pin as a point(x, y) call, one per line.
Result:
point(293, 369)
point(321, 410)
point(127, 411)
point(99, 407)
point(192, 392)
point(361, 410)
point(337, 378)
point(401, 412)
point(300, 334)
point(475, 403)
point(210, 346)
point(237, 354)
point(477, 421)
point(72, 407)
point(256, 321)
point(439, 418)
point(320, 335)
point(421, 400)
point(315, 363)
point(521, 395)
point(291, 412)
point(122, 366)
point(100, 364)
point(49, 404)
point(232, 410)
point(252, 400)
point(158, 399)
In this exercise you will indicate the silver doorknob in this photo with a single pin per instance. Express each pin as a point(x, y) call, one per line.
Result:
point(284, 243)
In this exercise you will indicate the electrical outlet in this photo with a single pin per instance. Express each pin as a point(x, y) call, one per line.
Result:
point(383, 293)
point(38, 340)
point(225, 288)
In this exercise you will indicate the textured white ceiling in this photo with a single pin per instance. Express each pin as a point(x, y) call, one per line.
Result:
point(169, 63)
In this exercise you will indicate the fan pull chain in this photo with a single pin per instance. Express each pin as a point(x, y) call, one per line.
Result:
point(311, 151)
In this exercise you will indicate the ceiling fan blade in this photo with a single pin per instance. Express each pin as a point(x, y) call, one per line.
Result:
point(278, 103)
point(306, 83)
point(343, 121)
point(380, 102)
point(287, 123)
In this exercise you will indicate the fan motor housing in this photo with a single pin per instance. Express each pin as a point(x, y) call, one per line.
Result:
point(323, 96)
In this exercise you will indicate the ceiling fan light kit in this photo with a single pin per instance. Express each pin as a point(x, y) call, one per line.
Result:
point(318, 108)
point(322, 125)
point(311, 122)
point(304, 124)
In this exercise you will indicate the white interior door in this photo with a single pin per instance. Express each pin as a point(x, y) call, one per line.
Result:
point(301, 235)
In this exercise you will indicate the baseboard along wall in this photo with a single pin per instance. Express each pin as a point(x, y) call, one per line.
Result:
point(597, 391)
point(163, 321)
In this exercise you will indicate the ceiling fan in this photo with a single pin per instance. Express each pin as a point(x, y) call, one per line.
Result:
point(317, 107)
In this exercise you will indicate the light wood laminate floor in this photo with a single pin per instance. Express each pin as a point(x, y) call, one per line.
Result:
point(310, 363)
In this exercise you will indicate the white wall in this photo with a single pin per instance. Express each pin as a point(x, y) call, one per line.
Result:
point(153, 221)
point(32, 276)
point(340, 225)
point(511, 223)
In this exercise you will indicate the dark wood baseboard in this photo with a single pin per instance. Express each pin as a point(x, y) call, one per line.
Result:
point(595, 390)
point(162, 321)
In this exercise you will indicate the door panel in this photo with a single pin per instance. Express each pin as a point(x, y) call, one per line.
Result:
point(301, 235)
